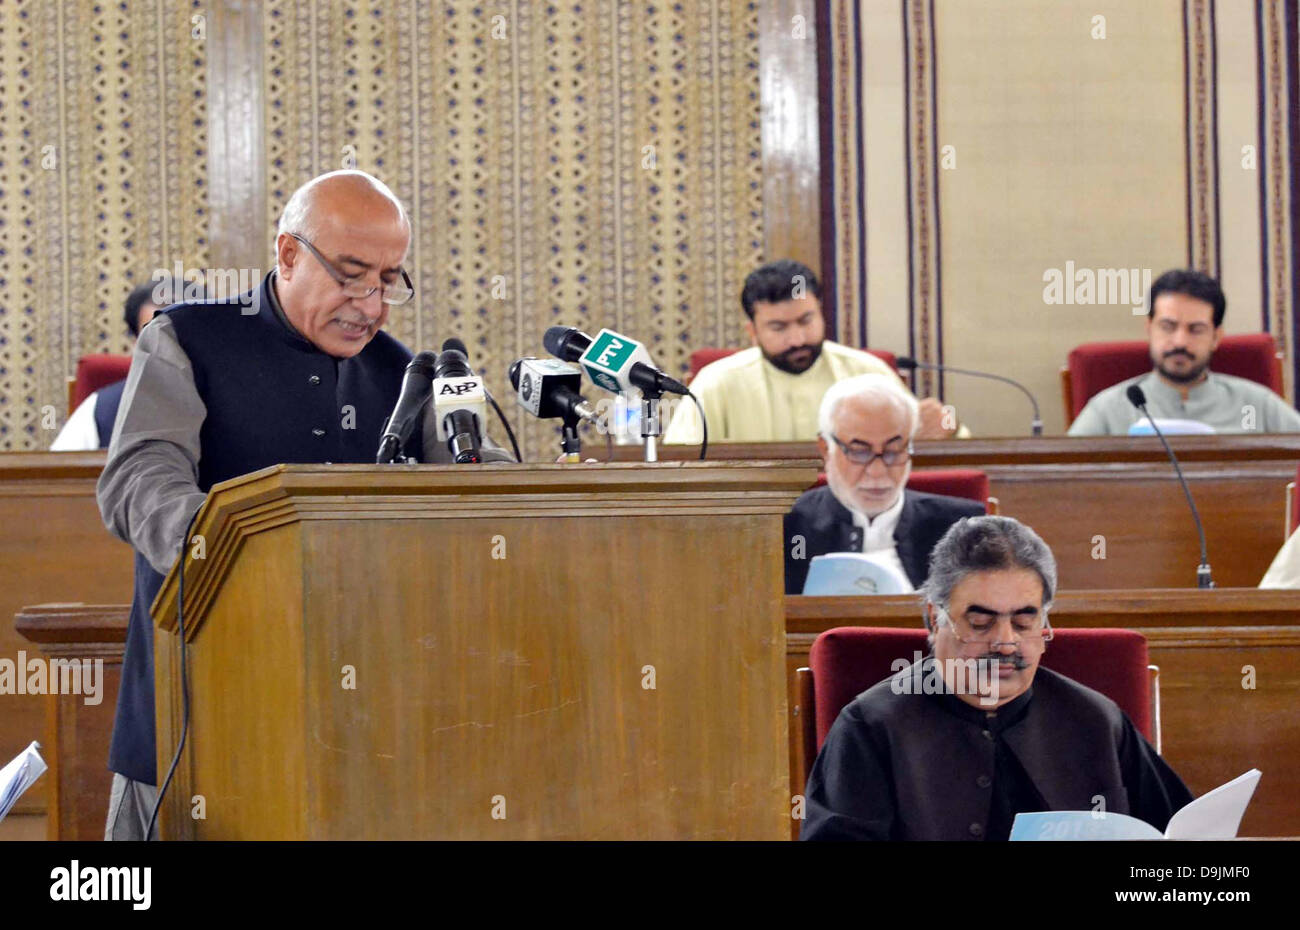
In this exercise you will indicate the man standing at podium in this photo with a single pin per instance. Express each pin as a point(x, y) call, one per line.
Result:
point(296, 371)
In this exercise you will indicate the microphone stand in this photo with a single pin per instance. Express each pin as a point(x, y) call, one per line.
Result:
point(390, 450)
point(1036, 427)
point(1203, 577)
point(570, 441)
point(650, 423)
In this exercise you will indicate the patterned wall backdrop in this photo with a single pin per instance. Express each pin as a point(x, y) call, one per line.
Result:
point(591, 164)
point(978, 148)
point(103, 136)
point(587, 163)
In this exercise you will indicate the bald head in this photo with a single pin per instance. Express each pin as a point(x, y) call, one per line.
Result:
point(339, 193)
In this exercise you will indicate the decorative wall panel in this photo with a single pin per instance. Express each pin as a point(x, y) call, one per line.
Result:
point(103, 164)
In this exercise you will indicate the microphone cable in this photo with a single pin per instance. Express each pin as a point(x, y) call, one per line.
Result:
point(185, 682)
point(704, 425)
point(1204, 578)
point(514, 444)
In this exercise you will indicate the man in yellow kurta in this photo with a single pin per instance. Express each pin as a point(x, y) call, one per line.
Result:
point(772, 391)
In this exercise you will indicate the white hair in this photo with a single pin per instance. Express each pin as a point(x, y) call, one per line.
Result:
point(876, 385)
point(299, 216)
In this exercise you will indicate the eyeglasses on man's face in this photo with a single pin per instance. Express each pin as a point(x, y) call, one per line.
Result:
point(391, 292)
point(981, 629)
point(862, 453)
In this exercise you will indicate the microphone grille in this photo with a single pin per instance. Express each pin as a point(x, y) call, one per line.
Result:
point(424, 361)
point(1135, 396)
point(455, 344)
point(553, 340)
point(905, 362)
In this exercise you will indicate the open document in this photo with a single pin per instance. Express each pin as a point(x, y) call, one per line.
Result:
point(1215, 815)
point(853, 573)
point(18, 775)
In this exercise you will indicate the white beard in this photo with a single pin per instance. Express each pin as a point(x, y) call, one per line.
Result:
point(845, 495)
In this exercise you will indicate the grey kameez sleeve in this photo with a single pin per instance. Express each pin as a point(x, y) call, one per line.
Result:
point(149, 488)
point(1089, 422)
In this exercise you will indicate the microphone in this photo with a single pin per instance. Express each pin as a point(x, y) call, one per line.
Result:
point(459, 404)
point(908, 363)
point(614, 361)
point(548, 389)
point(417, 384)
point(1139, 400)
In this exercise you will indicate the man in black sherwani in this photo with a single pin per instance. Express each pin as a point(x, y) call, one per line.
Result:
point(866, 425)
point(906, 761)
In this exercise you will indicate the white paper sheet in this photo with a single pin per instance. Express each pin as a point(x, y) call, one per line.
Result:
point(18, 775)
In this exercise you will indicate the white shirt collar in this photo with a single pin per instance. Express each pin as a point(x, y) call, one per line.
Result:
point(878, 531)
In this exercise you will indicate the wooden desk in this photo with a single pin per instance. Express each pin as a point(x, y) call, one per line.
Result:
point(53, 547)
point(1213, 728)
point(646, 707)
point(1116, 496)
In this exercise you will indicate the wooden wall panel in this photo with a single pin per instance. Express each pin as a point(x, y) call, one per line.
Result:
point(77, 734)
point(53, 547)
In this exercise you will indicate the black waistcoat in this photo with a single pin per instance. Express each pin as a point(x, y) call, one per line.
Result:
point(271, 398)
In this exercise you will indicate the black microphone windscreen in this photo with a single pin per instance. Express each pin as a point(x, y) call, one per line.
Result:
point(553, 341)
point(1135, 396)
point(514, 374)
point(423, 361)
point(454, 343)
point(905, 362)
point(452, 363)
point(566, 342)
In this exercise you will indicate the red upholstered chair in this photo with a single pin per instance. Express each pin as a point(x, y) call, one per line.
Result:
point(93, 373)
point(969, 483)
point(1095, 366)
point(885, 356)
point(848, 660)
point(702, 357)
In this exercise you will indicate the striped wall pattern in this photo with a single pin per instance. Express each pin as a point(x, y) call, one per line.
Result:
point(103, 164)
point(591, 164)
point(1218, 187)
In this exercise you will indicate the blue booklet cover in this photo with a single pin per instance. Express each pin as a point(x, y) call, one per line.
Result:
point(853, 573)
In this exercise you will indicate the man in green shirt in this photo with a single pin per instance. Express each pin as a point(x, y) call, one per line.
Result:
point(1184, 326)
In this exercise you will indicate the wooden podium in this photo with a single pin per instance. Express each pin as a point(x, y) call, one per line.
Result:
point(500, 652)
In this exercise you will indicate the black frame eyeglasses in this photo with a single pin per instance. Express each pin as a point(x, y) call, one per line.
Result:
point(392, 294)
point(865, 456)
